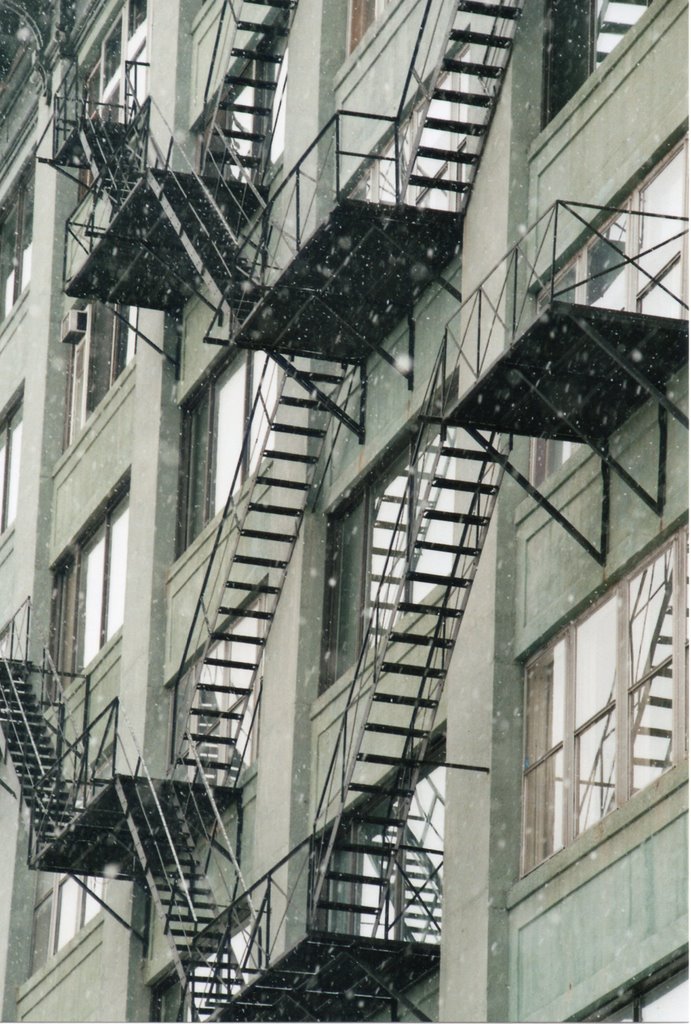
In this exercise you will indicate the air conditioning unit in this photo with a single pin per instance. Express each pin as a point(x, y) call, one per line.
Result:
point(75, 325)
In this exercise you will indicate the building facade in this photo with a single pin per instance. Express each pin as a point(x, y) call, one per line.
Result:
point(343, 510)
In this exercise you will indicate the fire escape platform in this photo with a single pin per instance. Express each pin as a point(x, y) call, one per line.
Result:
point(557, 365)
point(354, 279)
point(332, 977)
point(98, 840)
point(145, 258)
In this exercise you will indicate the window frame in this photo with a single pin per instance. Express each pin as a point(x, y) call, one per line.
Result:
point(87, 908)
point(11, 434)
point(18, 206)
point(68, 632)
point(205, 402)
point(620, 704)
point(98, 352)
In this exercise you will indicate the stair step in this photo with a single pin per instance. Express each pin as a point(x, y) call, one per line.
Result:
point(467, 486)
point(220, 688)
point(440, 183)
point(245, 613)
point(492, 10)
point(212, 713)
point(250, 83)
point(274, 481)
point(372, 849)
point(469, 99)
point(417, 608)
point(469, 67)
point(279, 510)
point(466, 35)
point(400, 668)
point(380, 819)
point(287, 428)
point(253, 588)
point(456, 517)
point(240, 638)
point(462, 127)
point(456, 156)
point(244, 108)
point(473, 454)
point(350, 876)
point(422, 640)
point(299, 403)
point(378, 790)
point(394, 730)
point(438, 579)
point(274, 453)
point(269, 563)
point(240, 134)
point(284, 5)
point(258, 55)
point(396, 762)
point(399, 698)
point(203, 737)
point(269, 28)
point(278, 538)
point(249, 666)
point(451, 549)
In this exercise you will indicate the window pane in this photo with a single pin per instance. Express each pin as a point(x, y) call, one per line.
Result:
point(228, 432)
point(94, 561)
point(651, 727)
point(112, 50)
point(8, 261)
point(117, 570)
point(68, 912)
point(545, 682)
point(658, 245)
point(15, 449)
point(596, 660)
point(40, 947)
point(3, 479)
point(362, 13)
point(606, 275)
point(389, 545)
point(26, 235)
point(137, 16)
point(197, 445)
point(595, 765)
point(543, 810)
point(345, 585)
point(668, 1002)
point(91, 907)
point(651, 617)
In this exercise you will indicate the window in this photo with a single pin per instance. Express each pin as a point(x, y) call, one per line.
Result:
point(635, 263)
point(89, 591)
point(62, 908)
point(601, 703)
point(362, 14)
point(10, 457)
point(580, 34)
point(413, 910)
point(370, 542)
point(16, 234)
point(666, 1001)
point(119, 74)
point(96, 362)
point(214, 455)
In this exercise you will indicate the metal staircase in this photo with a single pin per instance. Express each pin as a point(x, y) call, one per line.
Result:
point(282, 445)
point(436, 537)
point(450, 96)
point(237, 142)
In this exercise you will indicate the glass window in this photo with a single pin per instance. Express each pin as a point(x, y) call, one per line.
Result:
point(62, 908)
point(362, 15)
point(96, 362)
point(89, 592)
point(574, 708)
point(16, 234)
point(580, 34)
point(218, 452)
point(10, 459)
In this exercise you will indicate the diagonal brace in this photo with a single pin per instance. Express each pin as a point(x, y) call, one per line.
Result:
point(626, 364)
point(324, 400)
point(113, 913)
point(382, 982)
point(600, 450)
point(543, 502)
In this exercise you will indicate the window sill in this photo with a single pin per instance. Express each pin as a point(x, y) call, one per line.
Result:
point(583, 850)
point(91, 667)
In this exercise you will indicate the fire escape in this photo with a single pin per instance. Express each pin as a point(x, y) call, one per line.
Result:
point(316, 272)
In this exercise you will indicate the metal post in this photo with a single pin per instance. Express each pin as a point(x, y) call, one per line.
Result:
point(338, 157)
point(554, 252)
point(297, 208)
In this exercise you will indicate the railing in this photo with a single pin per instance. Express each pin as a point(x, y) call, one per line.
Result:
point(576, 253)
point(239, 946)
point(14, 635)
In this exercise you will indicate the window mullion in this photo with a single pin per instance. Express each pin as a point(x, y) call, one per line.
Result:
point(104, 581)
point(679, 594)
point(570, 776)
point(621, 711)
